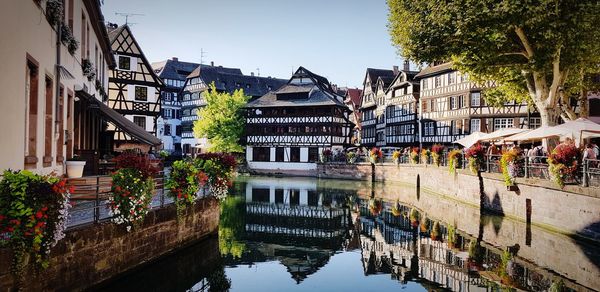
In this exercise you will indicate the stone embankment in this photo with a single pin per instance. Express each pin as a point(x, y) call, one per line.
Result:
point(573, 210)
point(93, 253)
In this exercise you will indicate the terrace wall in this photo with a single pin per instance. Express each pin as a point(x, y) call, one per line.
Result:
point(572, 210)
point(92, 253)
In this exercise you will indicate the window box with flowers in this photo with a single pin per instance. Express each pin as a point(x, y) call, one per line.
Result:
point(67, 38)
point(33, 217)
point(54, 11)
point(132, 187)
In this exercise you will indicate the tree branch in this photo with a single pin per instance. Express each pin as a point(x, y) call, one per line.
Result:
point(524, 54)
point(524, 41)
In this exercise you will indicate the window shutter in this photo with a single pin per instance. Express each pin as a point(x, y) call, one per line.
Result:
point(467, 127)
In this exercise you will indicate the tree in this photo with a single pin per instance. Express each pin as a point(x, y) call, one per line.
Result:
point(542, 51)
point(221, 121)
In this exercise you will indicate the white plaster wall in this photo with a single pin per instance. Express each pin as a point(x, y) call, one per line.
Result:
point(303, 154)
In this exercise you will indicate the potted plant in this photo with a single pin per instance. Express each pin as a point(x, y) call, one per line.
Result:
point(453, 160)
point(414, 155)
point(414, 217)
point(563, 163)
point(509, 167)
point(425, 154)
point(375, 155)
point(88, 69)
point(54, 11)
point(75, 166)
point(396, 209)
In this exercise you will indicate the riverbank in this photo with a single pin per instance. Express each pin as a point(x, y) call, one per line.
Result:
point(93, 253)
point(573, 211)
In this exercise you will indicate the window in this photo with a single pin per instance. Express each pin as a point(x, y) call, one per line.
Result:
point(261, 154)
point(535, 123)
point(124, 63)
point(279, 154)
point(429, 129)
point(167, 130)
point(31, 85)
point(167, 96)
point(458, 126)
point(295, 154)
point(432, 107)
point(475, 98)
point(453, 104)
point(424, 106)
point(313, 154)
point(178, 130)
point(425, 83)
point(503, 123)
point(140, 121)
point(461, 101)
point(168, 113)
point(451, 78)
point(475, 125)
point(141, 93)
point(438, 81)
point(48, 115)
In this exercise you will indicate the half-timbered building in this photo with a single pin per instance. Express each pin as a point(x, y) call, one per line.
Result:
point(375, 84)
point(401, 110)
point(288, 128)
point(352, 100)
point(452, 106)
point(225, 80)
point(134, 88)
point(173, 73)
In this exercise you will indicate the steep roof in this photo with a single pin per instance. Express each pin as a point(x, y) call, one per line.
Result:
point(174, 69)
point(354, 95)
point(433, 70)
point(374, 74)
point(318, 93)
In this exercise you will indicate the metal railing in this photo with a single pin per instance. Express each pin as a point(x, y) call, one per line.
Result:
point(588, 173)
point(90, 198)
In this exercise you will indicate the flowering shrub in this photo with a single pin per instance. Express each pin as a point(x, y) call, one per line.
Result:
point(326, 155)
point(375, 155)
point(375, 206)
point(425, 154)
point(131, 196)
point(351, 157)
point(436, 153)
point(563, 162)
point(476, 156)
point(453, 160)
point(414, 155)
point(396, 156)
point(219, 169)
point(140, 162)
point(33, 215)
point(184, 183)
point(509, 166)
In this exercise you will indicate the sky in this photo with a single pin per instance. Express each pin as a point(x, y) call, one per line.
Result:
point(337, 39)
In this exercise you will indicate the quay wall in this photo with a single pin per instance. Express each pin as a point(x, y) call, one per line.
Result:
point(93, 253)
point(573, 210)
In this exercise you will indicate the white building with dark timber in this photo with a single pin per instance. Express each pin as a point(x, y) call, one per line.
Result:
point(287, 129)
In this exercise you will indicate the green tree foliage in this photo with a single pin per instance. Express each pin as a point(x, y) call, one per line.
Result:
point(222, 120)
point(231, 226)
point(542, 51)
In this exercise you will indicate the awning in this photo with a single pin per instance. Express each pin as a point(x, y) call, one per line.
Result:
point(470, 140)
point(120, 121)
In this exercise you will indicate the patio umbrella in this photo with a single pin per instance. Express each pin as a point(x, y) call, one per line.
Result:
point(470, 140)
point(502, 133)
point(577, 130)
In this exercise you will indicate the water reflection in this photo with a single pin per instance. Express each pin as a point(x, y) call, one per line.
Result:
point(301, 234)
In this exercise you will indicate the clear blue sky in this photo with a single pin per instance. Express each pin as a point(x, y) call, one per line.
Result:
point(338, 39)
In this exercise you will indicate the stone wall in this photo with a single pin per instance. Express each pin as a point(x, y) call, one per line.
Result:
point(572, 210)
point(93, 253)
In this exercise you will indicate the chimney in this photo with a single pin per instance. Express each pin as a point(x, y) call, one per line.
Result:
point(395, 70)
point(175, 59)
point(251, 73)
point(406, 65)
point(212, 63)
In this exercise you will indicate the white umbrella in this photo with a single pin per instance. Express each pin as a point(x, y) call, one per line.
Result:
point(578, 129)
point(501, 133)
point(470, 140)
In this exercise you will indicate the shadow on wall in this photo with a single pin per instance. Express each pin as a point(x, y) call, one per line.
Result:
point(590, 249)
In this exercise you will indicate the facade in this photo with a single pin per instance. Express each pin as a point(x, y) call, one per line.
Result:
point(352, 101)
point(372, 105)
point(452, 107)
point(134, 89)
point(173, 73)
point(288, 128)
point(400, 118)
point(45, 88)
point(225, 80)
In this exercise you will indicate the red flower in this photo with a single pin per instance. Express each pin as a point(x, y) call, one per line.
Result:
point(39, 214)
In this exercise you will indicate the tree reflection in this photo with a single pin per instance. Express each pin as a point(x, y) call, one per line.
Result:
point(231, 227)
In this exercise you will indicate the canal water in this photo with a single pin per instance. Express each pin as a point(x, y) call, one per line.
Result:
point(305, 234)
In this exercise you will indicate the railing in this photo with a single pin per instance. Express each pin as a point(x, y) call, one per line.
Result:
point(91, 195)
point(588, 173)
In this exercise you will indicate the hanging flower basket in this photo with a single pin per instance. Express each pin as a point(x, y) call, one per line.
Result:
point(396, 157)
point(454, 157)
point(563, 163)
point(375, 155)
point(54, 11)
point(509, 167)
point(396, 209)
point(375, 206)
point(425, 155)
point(414, 217)
point(476, 157)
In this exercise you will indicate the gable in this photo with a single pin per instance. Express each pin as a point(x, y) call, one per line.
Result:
point(124, 44)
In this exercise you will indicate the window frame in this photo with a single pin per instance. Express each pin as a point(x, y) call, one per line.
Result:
point(135, 93)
